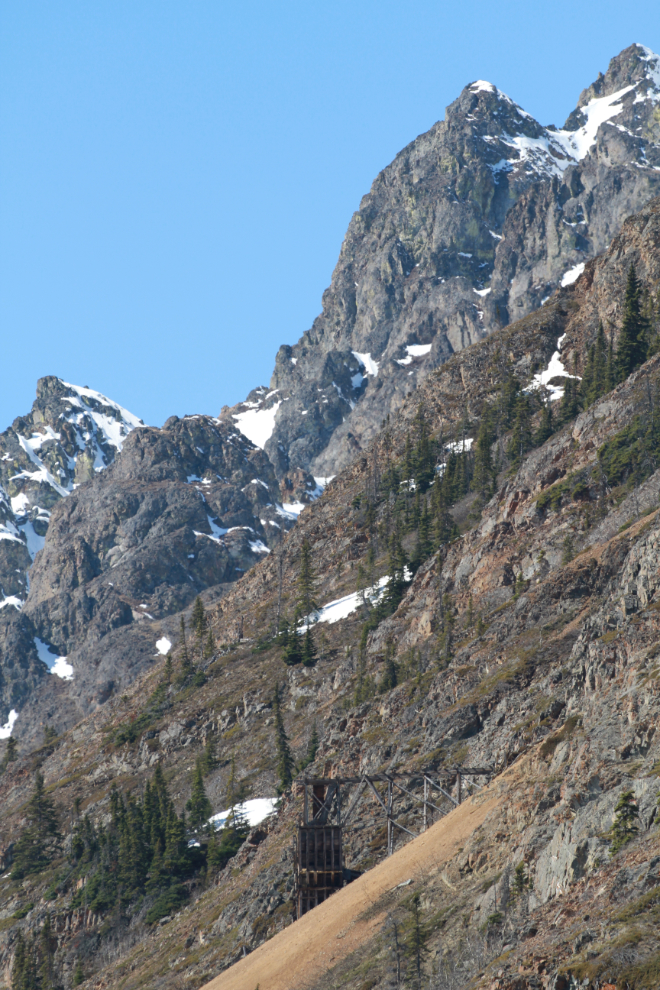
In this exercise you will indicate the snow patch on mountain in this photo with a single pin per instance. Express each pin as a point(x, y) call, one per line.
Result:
point(100, 421)
point(56, 665)
point(255, 811)
point(12, 600)
point(555, 369)
point(5, 730)
point(370, 366)
point(414, 350)
point(572, 275)
point(598, 111)
point(257, 423)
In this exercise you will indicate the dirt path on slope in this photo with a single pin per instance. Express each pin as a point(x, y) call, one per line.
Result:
point(296, 956)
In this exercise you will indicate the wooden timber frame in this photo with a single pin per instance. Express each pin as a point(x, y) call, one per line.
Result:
point(318, 847)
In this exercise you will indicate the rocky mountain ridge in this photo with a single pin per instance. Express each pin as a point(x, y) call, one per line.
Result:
point(550, 594)
point(471, 227)
point(131, 541)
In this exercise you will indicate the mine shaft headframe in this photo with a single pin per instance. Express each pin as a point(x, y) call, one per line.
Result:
point(322, 796)
point(318, 846)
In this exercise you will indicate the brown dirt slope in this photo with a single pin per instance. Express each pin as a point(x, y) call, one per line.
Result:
point(301, 953)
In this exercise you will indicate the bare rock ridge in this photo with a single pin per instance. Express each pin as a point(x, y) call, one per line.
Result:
point(130, 541)
point(472, 226)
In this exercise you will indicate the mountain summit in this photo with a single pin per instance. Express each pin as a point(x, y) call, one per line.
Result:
point(473, 225)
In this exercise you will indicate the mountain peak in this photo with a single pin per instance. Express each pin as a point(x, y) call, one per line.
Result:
point(636, 67)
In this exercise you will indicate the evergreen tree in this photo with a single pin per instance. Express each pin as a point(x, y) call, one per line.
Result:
point(610, 375)
point(308, 653)
point(568, 551)
point(78, 975)
point(600, 384)
point(632, 345)
point(292, 651)
point(19, 970)
point(586, 385)
point(236, 820)
point(312, 745)
point(445, 528)
point(424, 544)
point(521, 437)
point(521, 880)
point(483, 480)
point(390, 678)
point(417, 937)
point(508, 399)
point(11, 753)
point(209, 758)
point(395, 587)
point(187, 668)
point(198, 619)
point(209, 647)
point(198, 806)
point(312, 749)
point(47, 946)
point(546, 426)
point(570, 402)
point(625, 826)
point(41, 837)
point(285, 764)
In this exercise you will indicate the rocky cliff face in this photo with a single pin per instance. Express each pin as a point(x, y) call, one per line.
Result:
point(131, 541)
point(471, 227)
point(70, 435)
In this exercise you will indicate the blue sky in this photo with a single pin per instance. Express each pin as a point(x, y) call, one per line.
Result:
point(176, 177)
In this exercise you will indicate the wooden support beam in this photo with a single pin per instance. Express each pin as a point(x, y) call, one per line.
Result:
point(425, 800)
point(442, 790)
point(355, 802)
point(390, 836)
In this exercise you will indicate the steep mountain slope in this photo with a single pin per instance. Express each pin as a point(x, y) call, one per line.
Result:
point(471, 227)
point(130, 541)
point(531, 638)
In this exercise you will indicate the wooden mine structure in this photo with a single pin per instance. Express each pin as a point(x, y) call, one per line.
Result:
point(319, 868)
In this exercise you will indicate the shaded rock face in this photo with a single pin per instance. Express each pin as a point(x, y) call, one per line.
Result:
point(70, 435)
point(183, 509)
point(471, 227)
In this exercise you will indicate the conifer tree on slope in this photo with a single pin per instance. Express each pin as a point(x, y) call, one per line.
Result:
point(198, 618)
point(198, 806)
point(309, 654)
point(187, 667)
point(632, 346)
point(483, 461)
point(41, 838)
point(285, 763)
point(306, 605)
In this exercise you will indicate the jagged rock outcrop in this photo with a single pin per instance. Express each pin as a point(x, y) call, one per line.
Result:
point(471, 227)
point(184, 509)
point(70, 435)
